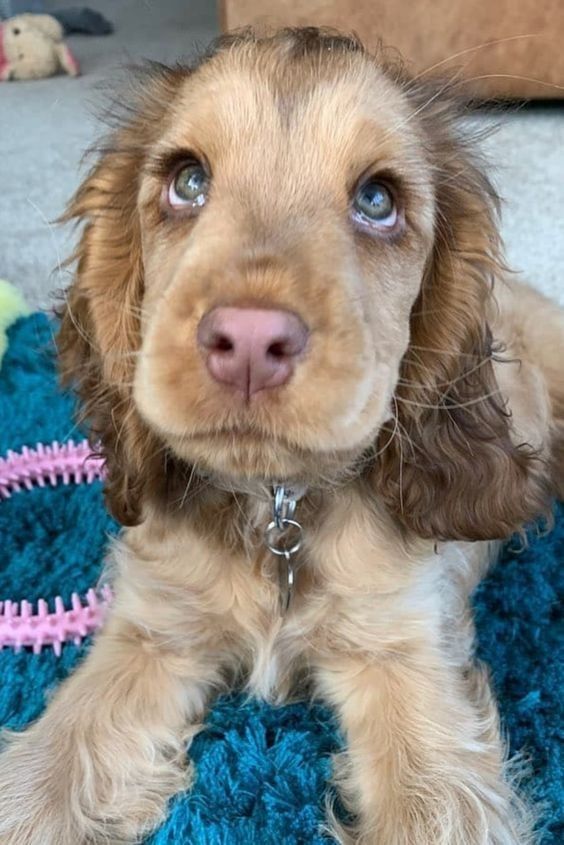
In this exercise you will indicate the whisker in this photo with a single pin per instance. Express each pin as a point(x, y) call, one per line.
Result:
point(187, 488)
point(451, 406)
point(52, 235)
point(483, 46)
point(374, 455)
point(446, 384)
point(81, 333)
point(400, 462)
point(441, 352)
point(516, 76)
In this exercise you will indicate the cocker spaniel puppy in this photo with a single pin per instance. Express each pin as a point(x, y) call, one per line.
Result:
point(290, 279)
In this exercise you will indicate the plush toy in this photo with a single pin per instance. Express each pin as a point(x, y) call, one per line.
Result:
point(32, 47)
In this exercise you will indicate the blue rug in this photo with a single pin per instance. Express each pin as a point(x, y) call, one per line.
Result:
point(261, 771)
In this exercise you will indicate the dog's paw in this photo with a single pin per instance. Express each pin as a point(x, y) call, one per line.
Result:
point(31, 790)
point(59, 793)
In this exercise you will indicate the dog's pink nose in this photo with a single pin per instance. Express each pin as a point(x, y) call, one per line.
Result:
point(250, 348)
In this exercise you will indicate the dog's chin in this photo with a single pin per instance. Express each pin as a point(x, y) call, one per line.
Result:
point(240, 458)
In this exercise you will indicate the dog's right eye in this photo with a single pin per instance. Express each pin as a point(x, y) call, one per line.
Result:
point(189, 186)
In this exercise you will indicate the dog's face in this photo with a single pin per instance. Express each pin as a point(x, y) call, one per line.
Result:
point(297, 188)
point(285, 269)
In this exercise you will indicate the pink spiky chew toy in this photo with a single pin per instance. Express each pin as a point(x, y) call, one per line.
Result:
point(20, 625)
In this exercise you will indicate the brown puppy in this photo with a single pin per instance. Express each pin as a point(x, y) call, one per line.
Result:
point(287, 274)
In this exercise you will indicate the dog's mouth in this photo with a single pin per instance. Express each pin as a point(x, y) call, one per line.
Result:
point(239, 439)
point(240, 455)
point(238, 432)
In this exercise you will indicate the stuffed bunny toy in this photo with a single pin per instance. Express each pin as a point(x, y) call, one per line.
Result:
point(32, 47)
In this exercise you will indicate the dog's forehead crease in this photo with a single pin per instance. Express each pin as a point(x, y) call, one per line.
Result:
point(351, 120)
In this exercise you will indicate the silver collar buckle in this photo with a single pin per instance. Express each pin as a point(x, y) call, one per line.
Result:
point(283, 537)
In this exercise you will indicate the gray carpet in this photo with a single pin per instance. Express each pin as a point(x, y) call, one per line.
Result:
point(46, 125)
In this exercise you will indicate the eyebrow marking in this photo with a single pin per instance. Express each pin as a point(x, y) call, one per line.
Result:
point(161, 163)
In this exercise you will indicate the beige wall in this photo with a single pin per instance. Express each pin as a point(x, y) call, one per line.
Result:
point(428, 32)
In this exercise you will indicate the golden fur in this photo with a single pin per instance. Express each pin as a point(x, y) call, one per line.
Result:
point(427, 421)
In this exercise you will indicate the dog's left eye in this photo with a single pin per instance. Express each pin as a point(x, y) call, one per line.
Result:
point(189, 186)
point(374, 204)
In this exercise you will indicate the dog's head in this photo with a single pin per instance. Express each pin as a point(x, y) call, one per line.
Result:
point(284, 274)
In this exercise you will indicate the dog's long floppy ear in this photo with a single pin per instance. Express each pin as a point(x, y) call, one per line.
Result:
point(453, 469)
point(99, 331)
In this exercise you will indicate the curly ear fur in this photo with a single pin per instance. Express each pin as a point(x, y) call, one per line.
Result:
point(99, 332)
point(451, 469)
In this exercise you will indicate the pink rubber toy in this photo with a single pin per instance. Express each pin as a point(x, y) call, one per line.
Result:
point(20, 626)
point(69, 462)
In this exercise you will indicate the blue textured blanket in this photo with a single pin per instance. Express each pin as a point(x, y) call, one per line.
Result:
point(261, 771)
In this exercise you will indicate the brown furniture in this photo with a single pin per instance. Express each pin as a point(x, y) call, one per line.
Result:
point(520, 42)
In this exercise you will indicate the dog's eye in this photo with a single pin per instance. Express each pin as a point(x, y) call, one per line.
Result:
point(374, 203)
point(189, 186)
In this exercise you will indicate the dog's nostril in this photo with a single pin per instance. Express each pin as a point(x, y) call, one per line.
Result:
point(278, 349)
point(222, 343)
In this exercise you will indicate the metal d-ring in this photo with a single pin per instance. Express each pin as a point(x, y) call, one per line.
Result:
point(278, 540)
point(279, 526)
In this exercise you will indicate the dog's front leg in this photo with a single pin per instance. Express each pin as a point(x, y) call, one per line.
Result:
point(424, 762)
point(100, 764)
